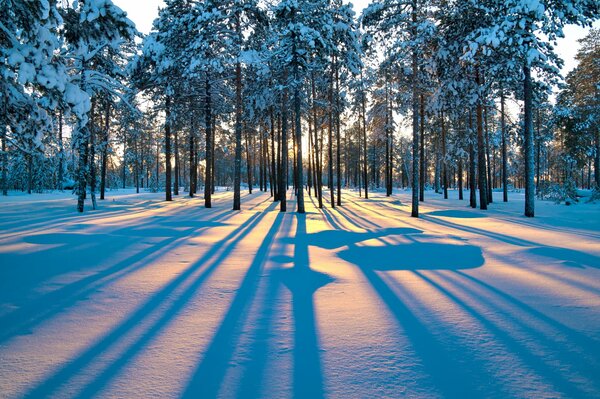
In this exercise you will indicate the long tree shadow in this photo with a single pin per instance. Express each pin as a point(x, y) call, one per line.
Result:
point(71, 252)
point(252, 382)
point(540, 364)
point(570, 257)
point(573, 336)
point(197, 273)
point(446, 366)
point(303, 282)
point(207, 379)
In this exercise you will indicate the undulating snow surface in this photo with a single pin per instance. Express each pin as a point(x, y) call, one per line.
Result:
point(147, 299)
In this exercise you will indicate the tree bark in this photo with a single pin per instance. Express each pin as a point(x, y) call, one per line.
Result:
point(103, 167)
point(168, 196)
point(422, 150)
point(504, 155)
point(298, 131)
point(209, 146)
point(528, 143)
point(284, 152)
point(237, 171)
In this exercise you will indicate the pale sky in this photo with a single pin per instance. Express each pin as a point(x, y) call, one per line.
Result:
point(143, 12)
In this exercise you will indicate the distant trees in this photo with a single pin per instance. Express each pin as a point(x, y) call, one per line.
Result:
point(227, 93)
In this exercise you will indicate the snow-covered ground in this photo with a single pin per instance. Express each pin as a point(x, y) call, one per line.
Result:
point(148, 299)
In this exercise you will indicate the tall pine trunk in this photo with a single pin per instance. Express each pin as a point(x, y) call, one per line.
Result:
point(444, 164)
point(298, 131)
point(92, 160)
point(364, 143)
point(103, 167)
point(176, 153)
point(504, 152)
point(415, 116)
point(318, 148)
point(528, 143)
point(472, 193)
point(338, 134)
point(482, 181)
point(168, 196)
point(422, 150)
point(330, 147)
point(237, 171)
point(284, 152)
point(209, 146)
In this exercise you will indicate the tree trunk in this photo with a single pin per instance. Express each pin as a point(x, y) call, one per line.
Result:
point(364, 143)
point(103, 167)
point(482, 183)
point(209, 146)
point(415, 116)
point(61, 152)
point(472, 194)
point(444, 165)
point(330, 148)
point(82, 143)
point(460, 179)
point(92, 160)
point(528, 144)
point(237, 171)
point(298, 131)
point(249, 161)
point(168, 196)
point(5, 158)
point(337, 135)
point(317, 152)
point(422, 151)
point(504, 155)
point(284, 152)
point(177, 168)
point(192, 165)
point(490, 195)
point(274, 185)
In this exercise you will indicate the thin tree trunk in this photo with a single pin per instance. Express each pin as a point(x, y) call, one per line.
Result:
point(444, 165)
point(460, 179)
point(422, 151)
point(274, 182)
point(330, 149)
point(528, 144)
point(249, 161)
point(338, 134)
point(209, 146)
point(168, 196)
point(191, 150)
point(472, 194)
point(298, 131)
point(92, 160)
point(504, 154)
point(284, 152)
point(176, 149)
point(364, 143)
point(415, 116)
point(237, 171)
point(82, 137)
point(487, 156)
point(480, 150)
point(103, 168)
point(318, 153)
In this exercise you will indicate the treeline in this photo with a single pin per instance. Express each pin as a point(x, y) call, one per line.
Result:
point(298, 93)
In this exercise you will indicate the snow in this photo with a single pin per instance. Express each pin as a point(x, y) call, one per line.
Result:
point(145, 298)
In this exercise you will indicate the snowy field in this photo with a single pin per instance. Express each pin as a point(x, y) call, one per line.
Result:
point(148, 299)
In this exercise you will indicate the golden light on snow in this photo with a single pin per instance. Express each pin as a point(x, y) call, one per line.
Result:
point(172, 299)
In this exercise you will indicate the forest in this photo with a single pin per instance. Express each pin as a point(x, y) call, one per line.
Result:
point(253, 95)
point(299, 199)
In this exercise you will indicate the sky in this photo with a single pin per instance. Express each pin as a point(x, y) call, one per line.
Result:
point(143, 12)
